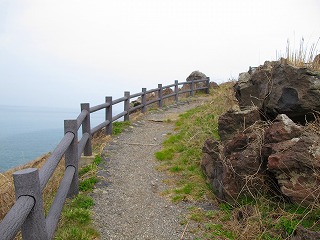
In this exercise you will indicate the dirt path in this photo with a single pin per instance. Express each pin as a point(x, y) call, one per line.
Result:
point(128, 200)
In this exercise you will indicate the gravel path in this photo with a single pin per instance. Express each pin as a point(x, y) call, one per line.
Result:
point(128, 200)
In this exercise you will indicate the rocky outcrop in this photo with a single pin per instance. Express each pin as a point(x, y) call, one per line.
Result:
point(293, 156)
point(255, 155)
point(196, 75)
point(233, 122)
point(304, 234)
point(278, 87)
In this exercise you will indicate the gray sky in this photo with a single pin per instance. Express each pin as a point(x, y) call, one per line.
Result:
point(63, 52)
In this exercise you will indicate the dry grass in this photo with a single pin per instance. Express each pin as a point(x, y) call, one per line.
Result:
point(7, 196)
point(303, 56)
point(7, 193)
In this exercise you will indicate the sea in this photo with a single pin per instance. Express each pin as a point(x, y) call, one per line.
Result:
point(29, 132)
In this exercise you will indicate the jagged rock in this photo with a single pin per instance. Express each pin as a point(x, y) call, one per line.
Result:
point(212, 166)
point(239, 155)
point(316, 61)
point(282, 129)
point(277, 87)
point(281, 157)
point(304, 234)
point(214, 85)
point(293, 157)
point(282, 153)
point(233, 122)
point(244, 169)
point(196, 75)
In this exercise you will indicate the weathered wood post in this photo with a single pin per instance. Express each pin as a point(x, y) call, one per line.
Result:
point(160, 102)
point(86, 128)
point(208, 85)
point(144, 100)
point(176, 91)
point(109, 116)
point(126, 106)
point(192, 88)
point(71, 155)
point(27, 183)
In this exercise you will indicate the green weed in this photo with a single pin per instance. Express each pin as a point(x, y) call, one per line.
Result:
point(87, 184)
point(97, 160)
point(76, 220)
point(166, 154)
point(118, 127)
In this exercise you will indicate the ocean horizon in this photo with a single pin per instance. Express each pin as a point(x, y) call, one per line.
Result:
point(29, 132)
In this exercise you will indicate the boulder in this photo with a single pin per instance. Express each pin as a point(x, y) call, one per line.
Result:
point(269, 145)
point(197, 75)
point(316, 61)
point(277, 87)
point(212, 166)
point(279, 158)
point(239, 155)
point(302, 233)
point(235, 121)
point(243, 172)
point(293, 156)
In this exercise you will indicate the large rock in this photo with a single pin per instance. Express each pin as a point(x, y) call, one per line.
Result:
point(244, 171)
point(293, 156)
point(212, 166)
point(304, 234)
point(197, 75)
point(279, 158)
point(277, 87)
point(241, 154)
point(235, 121)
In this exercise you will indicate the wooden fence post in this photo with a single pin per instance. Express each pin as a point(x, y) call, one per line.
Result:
point(192, 88)
point(144, 100)
point(208, 85)
point(71, 155)
point(86, 128)
point(160, 102)
point(176, 91)
point(126, 106)
point(27, 183)
point(109, 116)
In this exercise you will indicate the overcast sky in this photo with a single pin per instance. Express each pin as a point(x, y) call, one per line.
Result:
point(64, 52)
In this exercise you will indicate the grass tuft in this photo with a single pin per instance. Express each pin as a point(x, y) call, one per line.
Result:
point(303, 56)
point(118, 127)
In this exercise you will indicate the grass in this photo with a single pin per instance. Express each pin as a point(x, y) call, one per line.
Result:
point(249, 218)
point(76, 221)
point(302, 56)
point(181, 153)
point(118, 127)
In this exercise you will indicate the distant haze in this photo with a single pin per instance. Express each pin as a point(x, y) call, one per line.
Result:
point(64, 52)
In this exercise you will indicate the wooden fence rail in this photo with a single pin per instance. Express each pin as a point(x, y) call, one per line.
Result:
point(27, 214)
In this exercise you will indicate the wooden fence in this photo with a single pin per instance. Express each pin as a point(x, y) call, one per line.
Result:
point(27, 213)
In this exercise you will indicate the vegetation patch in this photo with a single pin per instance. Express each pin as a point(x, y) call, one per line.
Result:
point(182, 152)
point(76, 221)
point(118, 127)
